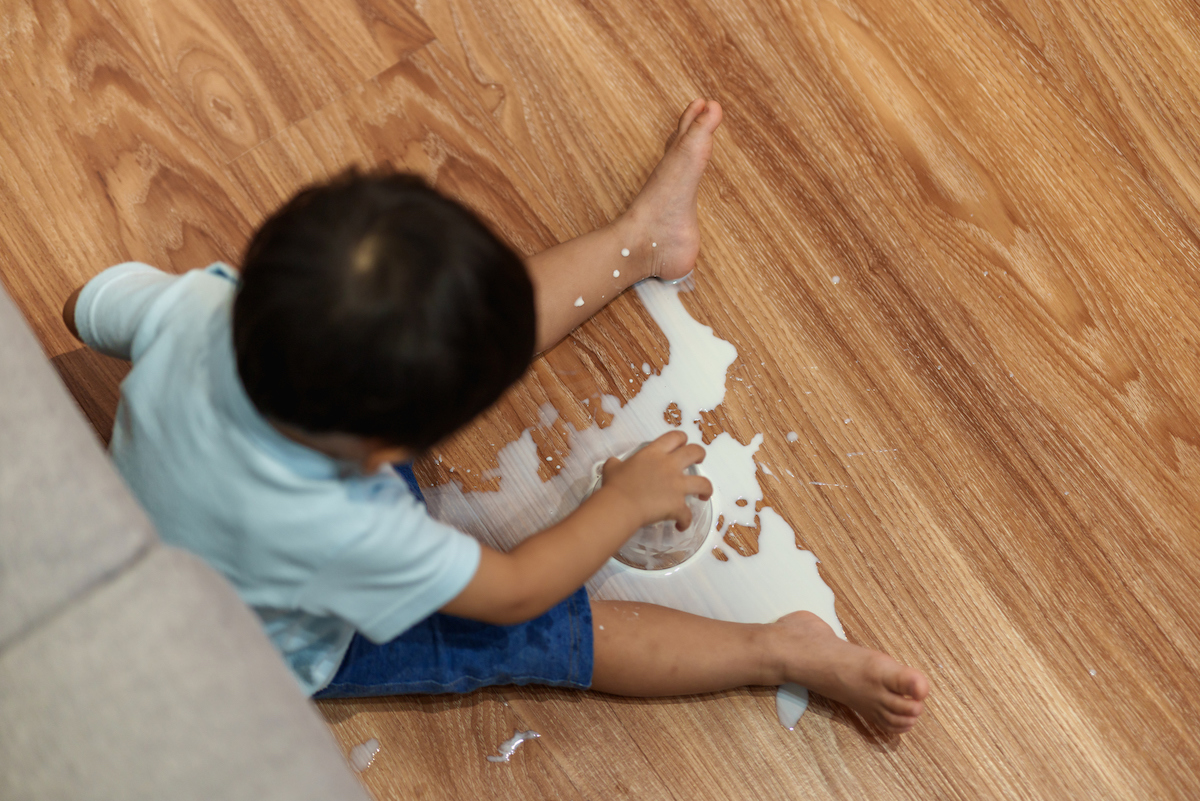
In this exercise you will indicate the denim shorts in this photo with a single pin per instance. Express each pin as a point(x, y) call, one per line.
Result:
point(448, 654)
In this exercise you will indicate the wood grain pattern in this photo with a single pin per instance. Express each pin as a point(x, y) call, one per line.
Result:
point(1009, 195)
point(435, 747)
point(247, 71)
point(100, 164)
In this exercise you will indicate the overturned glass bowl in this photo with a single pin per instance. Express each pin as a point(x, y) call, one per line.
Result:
point(661, 545)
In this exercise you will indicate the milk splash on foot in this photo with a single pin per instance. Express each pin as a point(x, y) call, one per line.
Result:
point(760, 588)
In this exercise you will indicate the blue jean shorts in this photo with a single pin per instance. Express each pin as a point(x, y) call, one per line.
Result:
point(448, 654)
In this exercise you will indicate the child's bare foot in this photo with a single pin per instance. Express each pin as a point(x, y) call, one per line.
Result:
point(664, 232)
point(879, 688)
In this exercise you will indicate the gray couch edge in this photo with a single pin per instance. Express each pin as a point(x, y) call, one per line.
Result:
point(128, 669)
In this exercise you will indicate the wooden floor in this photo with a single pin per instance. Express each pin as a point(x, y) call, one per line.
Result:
point(1009, 193)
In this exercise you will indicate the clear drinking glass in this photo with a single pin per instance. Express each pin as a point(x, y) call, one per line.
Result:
point(660, 545)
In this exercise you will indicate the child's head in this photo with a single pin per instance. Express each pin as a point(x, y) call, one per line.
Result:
point(374, 306)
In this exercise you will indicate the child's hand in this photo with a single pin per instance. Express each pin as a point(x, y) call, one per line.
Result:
point(653, 484)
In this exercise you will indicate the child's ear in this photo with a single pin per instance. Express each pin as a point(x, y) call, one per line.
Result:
point(380, 453)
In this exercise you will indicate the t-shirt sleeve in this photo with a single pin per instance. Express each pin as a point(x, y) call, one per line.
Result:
point(403, 569)
point(115, 306)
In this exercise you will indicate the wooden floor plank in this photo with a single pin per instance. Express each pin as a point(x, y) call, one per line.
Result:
point(418, 115)
point(245, 71)
point(437, 748)
point(100, 165)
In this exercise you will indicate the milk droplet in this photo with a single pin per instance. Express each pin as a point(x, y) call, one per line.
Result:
point(616, 273)
point(509, 746)
point(836, 279)
point(579, 300)
point(653, 244)
point(792, 436)
point(624, 251)
point(363, 754)
point(847, 420)
point(790, 702)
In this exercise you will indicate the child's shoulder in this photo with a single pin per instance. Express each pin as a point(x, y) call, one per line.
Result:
point(125, 308)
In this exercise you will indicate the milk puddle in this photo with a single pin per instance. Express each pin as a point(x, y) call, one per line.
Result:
point(717, 581)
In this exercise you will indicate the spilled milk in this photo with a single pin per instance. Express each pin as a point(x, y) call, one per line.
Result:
point(759, 588)
point(509, 747)
point(363, 754)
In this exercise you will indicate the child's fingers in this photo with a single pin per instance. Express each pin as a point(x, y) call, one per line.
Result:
point(688, 455)
point(682, 517)
point(699, 486)
point(668, 442)
point(609, 464)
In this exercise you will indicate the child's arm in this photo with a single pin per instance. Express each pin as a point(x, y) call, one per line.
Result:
point(68, 313)
point(647, 487)
point(110, 311)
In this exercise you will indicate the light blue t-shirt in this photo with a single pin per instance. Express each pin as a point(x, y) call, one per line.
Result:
point(316, 548)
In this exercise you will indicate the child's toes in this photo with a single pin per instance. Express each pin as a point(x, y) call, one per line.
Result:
point(709, 118)
point(895, 721)
point(907, 707)
point(907, 681)
point(689, 115)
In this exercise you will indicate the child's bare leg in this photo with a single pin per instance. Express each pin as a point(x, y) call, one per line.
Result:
point(648, 650)
point(659, 230)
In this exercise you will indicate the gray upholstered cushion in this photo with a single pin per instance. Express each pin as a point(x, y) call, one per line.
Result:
point(160, 684)
point(66, 519)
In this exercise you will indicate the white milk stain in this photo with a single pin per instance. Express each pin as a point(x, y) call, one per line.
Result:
point(792, 436)
point(509, 746)
point(836, 279)
point(646, 368)
point(579, 300)
point(624, 251)
point(616, 273)
point(363, 754)
point(760, 588)
point(790, 703)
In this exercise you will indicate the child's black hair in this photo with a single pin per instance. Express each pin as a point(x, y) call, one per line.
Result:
point(372, 305)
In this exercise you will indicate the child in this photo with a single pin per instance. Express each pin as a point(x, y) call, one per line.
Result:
point(374, 318)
